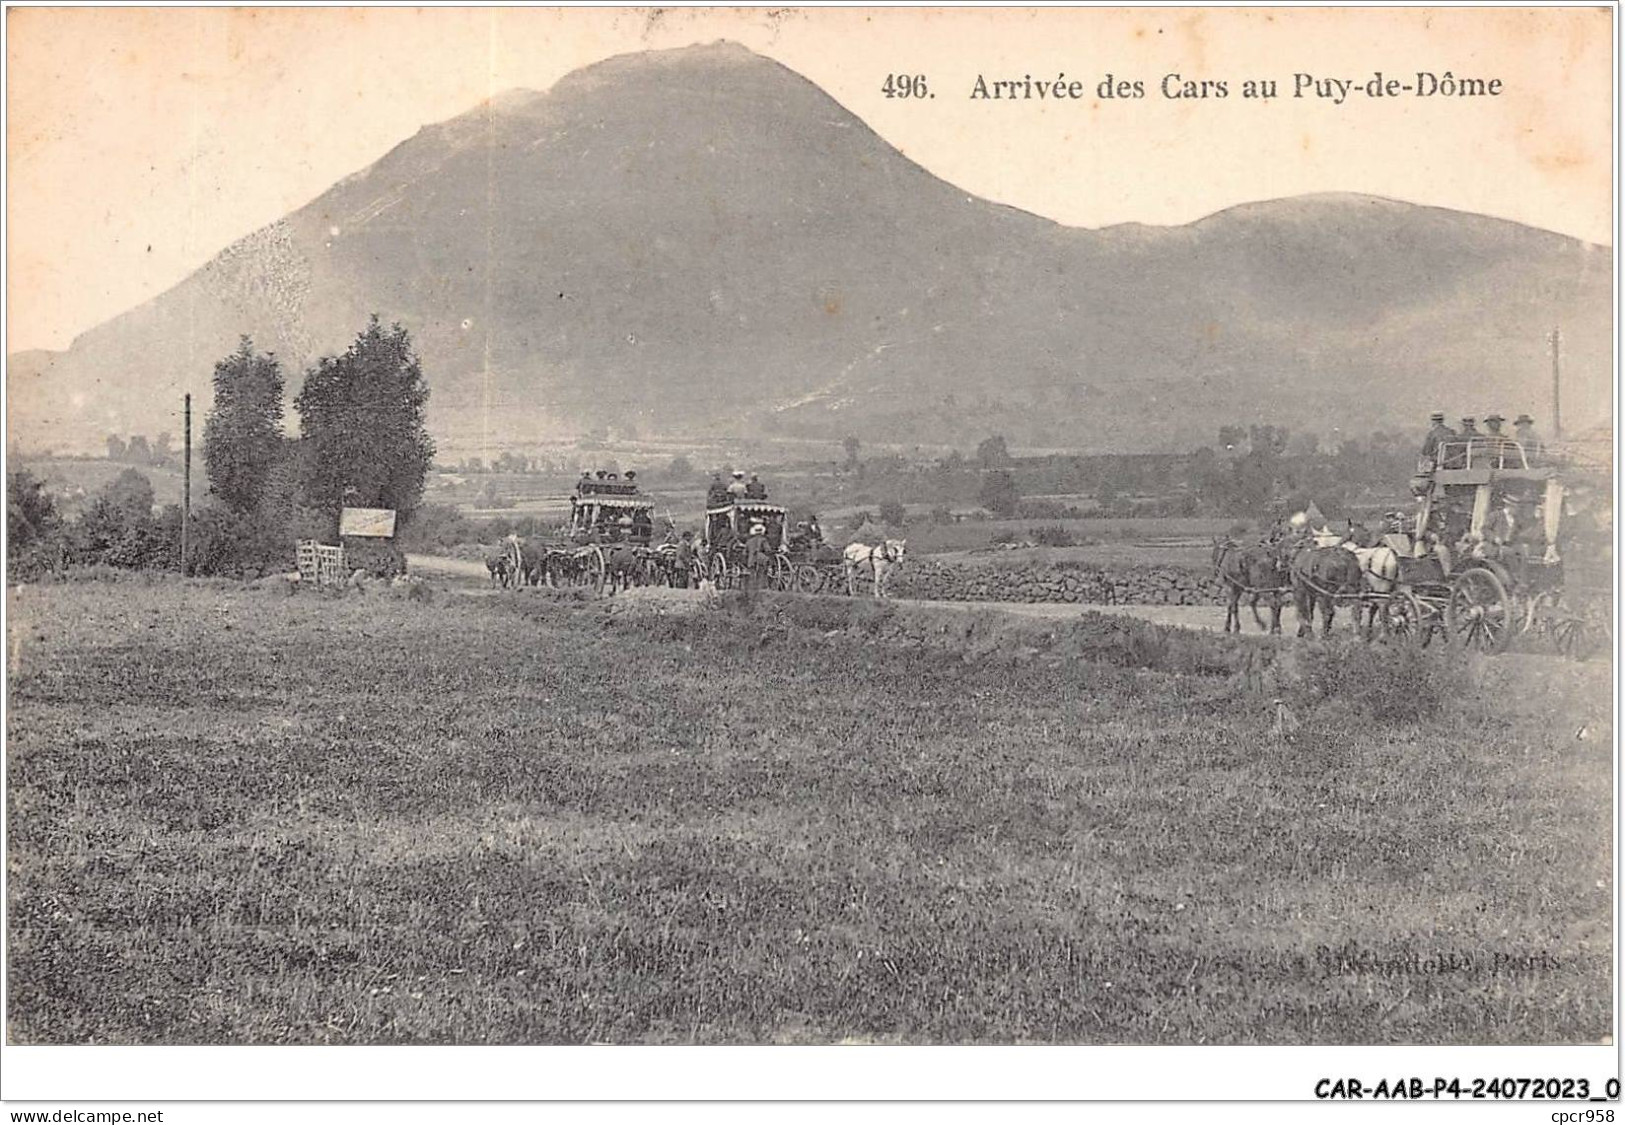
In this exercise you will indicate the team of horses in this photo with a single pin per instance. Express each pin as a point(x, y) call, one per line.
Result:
point(1320, 573)
point(528, 562)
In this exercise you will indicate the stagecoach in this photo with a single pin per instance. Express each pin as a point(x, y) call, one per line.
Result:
point(606, 542)
point(722, 542)
point(1484, 559)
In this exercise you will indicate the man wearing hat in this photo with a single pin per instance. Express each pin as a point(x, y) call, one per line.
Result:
point(685, 559)
point(716, 495)
point(1467, 443)
point(1523, 432)
point(1495, 442)
point(757, 554)
point(756, 490)
point(736, 487)
point(1439, 432)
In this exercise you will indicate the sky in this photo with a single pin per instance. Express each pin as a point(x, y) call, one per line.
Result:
point(141, 142)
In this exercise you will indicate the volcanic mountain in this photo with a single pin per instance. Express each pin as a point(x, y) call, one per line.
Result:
point(700, 242)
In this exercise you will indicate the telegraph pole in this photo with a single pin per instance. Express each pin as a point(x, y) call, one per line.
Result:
point(186, 488)
point(1557, 411)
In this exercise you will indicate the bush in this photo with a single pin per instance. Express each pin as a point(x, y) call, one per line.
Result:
point(893, 514)
point(1053, 536)
point(1004, 535)
point(1388, 683)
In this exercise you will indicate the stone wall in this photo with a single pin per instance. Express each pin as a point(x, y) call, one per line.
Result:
point(1055, 582)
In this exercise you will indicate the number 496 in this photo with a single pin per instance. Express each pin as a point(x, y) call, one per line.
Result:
point(905, 86)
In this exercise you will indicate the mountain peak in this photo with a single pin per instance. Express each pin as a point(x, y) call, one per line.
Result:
point(699, 241)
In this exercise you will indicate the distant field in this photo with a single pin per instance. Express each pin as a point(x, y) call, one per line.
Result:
point(240, 816)
point(72, 483)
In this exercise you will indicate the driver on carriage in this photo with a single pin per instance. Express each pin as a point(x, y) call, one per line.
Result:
point(716, 496)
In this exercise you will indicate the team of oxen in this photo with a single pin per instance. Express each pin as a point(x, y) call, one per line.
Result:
point(531, 562)
point(1320, 571)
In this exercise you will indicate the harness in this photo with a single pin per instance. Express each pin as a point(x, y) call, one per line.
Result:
point(1229, 546)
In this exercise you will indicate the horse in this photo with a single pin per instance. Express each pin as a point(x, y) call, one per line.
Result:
point(1379, 568)
point(1250, 570)
point(879, 559)
point(501, 570)
point(622, 567)
point(1321, 575)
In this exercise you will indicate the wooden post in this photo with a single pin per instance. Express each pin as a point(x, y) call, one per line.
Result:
point(186, 490)
point(1557, 410)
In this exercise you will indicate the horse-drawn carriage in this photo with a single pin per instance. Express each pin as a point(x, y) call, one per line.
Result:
point(1486, 558)
point(606, 545)
point(1482, 561)
point(721, 556)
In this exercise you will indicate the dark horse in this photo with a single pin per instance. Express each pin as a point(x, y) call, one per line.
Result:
point(1320, 576)
point(1256, 571)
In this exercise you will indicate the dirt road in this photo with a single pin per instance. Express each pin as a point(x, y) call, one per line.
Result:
point(1209, 617)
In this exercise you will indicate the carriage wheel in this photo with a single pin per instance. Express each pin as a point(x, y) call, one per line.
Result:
point(782, 576)
point(1480, 611)
point(719, 571)
point(808, 579)
point(595, 570)
point(1573, 638)
point(1403, 620)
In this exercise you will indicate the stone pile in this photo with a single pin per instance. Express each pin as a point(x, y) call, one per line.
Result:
point(1083, 583)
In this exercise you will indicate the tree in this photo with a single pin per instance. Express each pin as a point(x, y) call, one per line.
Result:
point(30, 511)
point(1232, 438)
point(242, 438)
point(993, 453)
point(138, 452)
point(160, 448)
point(851, 445)
point(893, 513)
point(999, 494)
point(680, 468)
point(129, 497)
point(362, 415)
point(116, 449)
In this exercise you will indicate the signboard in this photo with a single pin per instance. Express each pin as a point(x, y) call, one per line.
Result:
point(368, 523)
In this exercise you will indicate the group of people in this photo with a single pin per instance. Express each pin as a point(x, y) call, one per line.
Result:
point(1447, 448)
point(720, 495)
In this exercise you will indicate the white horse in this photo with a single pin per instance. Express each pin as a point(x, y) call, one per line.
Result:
point(1379, 566)
point(879, 560)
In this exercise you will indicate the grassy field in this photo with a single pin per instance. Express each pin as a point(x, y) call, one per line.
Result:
point(238, 815)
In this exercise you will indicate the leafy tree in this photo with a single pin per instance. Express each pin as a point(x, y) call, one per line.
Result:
point(116, 449)
point(242, 438)
point(851, 445)
point(362, 415)
point(999, 494)
point(893, 513)
point(138, 452)
point(160, 448)
point(993, 453)
point(30, 512)
point(680, 468)
point(129, 497)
